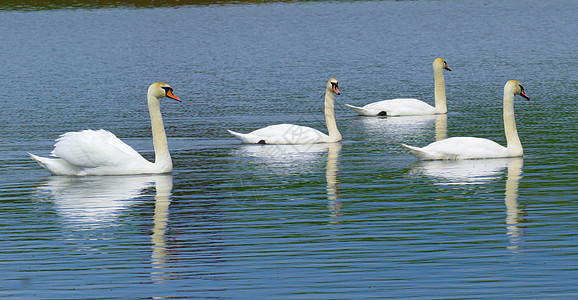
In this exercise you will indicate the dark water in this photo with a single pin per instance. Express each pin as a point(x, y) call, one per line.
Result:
point(360, 219)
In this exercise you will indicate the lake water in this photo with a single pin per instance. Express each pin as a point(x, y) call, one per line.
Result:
point(358, 219)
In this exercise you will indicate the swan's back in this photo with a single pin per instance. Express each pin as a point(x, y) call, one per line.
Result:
point(283, 134)
point(400, 107)
point(94, 148)
point(460, 148)
point(93, 152)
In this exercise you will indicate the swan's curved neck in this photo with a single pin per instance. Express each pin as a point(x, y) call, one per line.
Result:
point(162, 155)
point(512, 138)
point(334, 135)
point(440, 90)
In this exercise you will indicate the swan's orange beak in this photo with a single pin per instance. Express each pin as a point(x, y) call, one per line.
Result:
point(447, 68)
point(523, 94)
point(172, 95)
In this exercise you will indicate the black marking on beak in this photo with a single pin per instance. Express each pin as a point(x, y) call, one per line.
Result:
point(446, 66)
point(169, 93)
point(522, 93)
point(335, 87)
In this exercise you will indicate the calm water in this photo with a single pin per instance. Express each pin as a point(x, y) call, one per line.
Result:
point(359, 219)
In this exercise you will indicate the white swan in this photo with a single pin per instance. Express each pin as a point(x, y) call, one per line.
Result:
point(472, 147)
point(408, 106)
point(100, 152)
point(295, 134)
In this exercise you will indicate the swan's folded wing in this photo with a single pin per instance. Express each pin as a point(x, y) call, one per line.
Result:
point(289, 134)
point(94, 148)
point(467, 148)
point(401, 107)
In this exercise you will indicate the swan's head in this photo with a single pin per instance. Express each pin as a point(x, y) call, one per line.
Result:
point(333, 86)
point(160, 90)
point(440, 63)
point(516, 88)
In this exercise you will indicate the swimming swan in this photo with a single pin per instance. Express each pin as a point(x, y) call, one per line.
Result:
point(295, 134)
point(472, 147)
point(100, 152)
point(411, 107)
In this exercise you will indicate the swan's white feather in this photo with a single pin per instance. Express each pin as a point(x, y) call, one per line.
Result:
point(396, 107)
point(93, 148)
point(282, 134)
point(56, 166)
point(93, 152)
point(460, 148)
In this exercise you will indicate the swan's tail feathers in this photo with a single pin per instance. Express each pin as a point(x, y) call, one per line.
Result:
point(418, 152)
point(360, 110)
point(56, 166)
point(245, 138)
point(42, 161)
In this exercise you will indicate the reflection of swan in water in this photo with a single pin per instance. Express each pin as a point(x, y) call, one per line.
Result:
point(282, 153)
point(96, 200)
point(281, 159)
point(162, 200)
point(513, 213)
point(399, 128)
point(333, 194)
point(461, 171)
point(405, 125)
point(299, 156)
point(441, 127)
point(480, 171)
